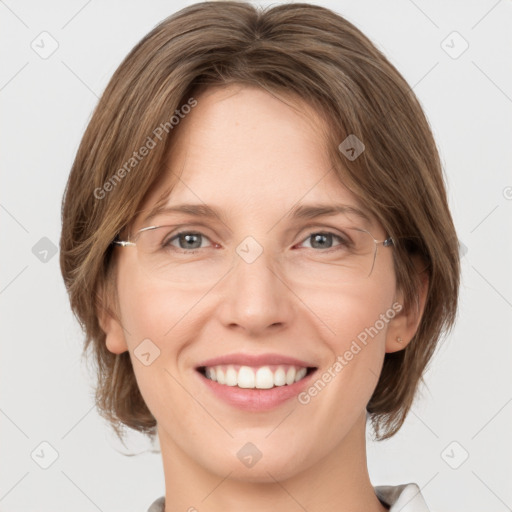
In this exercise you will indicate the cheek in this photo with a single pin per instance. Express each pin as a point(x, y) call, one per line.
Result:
point(153, 309)
point(155, 317)
point(355, 312)
point(364, 321)
point(354, 324)
point(143, 314)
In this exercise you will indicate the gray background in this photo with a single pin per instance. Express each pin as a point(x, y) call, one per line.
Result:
point(47, 392)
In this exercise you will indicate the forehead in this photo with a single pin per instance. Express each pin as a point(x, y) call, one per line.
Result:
point(249, 152)
point(250, 128)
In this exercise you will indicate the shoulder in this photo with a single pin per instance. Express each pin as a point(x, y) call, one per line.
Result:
point(403, 498)
point(158, 505)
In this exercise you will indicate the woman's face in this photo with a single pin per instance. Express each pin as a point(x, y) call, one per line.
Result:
point(255, 290)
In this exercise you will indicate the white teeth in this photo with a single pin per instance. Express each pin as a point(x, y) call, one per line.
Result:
point(264, 377)
point(279, 377)
point(246, 377)
point(231, 377)
point(300, 374)
point(290, 375)
point(220, 376)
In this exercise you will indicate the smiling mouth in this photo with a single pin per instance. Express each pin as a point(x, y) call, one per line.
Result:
point(262, 377)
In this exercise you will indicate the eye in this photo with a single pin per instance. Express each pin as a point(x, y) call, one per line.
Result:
point(190, 241)
point(324, 240)
point(186, 240)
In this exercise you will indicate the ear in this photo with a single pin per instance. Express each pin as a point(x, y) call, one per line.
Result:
point(115, 337)
point(404, 325)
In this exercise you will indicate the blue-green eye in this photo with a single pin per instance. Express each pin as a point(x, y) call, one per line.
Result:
point(324, 240)
point(187, 240)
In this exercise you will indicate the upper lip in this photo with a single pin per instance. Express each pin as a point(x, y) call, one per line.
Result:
point(255, 360)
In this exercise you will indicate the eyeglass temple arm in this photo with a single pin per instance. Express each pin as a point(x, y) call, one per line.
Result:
point(122, 243)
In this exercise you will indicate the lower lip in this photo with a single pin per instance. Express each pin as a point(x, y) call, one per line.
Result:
point(256, 399)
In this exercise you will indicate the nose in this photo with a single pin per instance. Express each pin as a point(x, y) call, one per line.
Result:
point(255, 297)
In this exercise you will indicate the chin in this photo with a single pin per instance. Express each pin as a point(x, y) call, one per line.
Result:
point(251, 466)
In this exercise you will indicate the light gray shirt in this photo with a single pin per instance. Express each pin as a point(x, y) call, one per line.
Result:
point(400, 498)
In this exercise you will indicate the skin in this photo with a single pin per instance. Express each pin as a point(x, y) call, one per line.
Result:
point(254, 156)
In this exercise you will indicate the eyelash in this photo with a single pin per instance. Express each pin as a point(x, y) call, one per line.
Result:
point(167, 243)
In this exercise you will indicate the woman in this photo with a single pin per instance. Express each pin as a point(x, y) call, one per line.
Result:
point(257, 241)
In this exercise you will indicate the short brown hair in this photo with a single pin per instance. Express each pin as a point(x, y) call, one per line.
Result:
point(297, 50)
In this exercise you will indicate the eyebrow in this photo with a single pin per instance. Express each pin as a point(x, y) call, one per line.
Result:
point(300, 212)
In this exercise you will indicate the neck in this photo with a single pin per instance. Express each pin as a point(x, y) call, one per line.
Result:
point(339, 482)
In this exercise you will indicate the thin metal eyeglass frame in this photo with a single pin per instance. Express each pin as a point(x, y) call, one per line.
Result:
point(385, 243)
